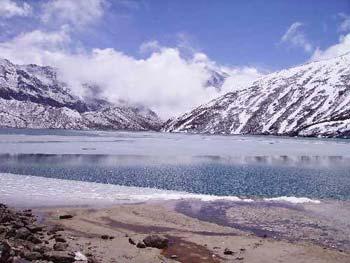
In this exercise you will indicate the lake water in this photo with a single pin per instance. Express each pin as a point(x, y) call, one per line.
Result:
point(243, 166)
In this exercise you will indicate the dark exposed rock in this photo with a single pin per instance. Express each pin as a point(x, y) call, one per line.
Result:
point(22, 233)
point(31, 255)
point(3, 229)
point(60, 246)
point(34, 239)
point(131, 241)
point(105, 237)
point(65, 216)
point(140, 245)
point(40, 248)
point(228, 252)
point(60, 239)
point(35, 228)
point(156, 241)
point(6, 250)
point(59, 256)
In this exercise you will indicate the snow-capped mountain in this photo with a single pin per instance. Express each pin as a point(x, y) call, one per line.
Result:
point(216, 79)
point(308, 100)
point(32, 96)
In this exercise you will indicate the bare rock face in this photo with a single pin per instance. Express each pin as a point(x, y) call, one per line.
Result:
point(32, 96)
point(308, 100)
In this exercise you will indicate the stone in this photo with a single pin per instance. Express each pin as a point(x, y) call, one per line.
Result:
point(60, 239)
point(3, 229)
point(59, 257)
point(35, 228)
point(228, 252)
point(11, 232)
point(60, 246)
point(105, 237)
point(78, 256)
point(22, 233)
point(31, 255)
point(173, 256)
point(34, 239)
point(19, 260)
point(65, 216)
point(131, 241)
point(140, 245)
point(156, 241)
point(6, 250)
point(40, 249)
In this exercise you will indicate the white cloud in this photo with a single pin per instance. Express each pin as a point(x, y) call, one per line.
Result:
point(9, 8)
point(38, 47)
point(345, 24)
point(296, 37)
point(77, 12)
point(333, 51)
point(149, 47)
point(165, 81)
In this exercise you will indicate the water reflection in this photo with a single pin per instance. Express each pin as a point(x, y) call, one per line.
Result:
point(135, 160)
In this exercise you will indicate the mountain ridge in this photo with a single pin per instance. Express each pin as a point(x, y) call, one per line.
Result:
point(32, 96)
point(306, 100)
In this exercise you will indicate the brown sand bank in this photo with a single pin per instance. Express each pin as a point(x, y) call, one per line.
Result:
point(193, 237)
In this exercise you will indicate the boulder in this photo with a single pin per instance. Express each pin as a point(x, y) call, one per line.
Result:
point(31, 255)
point(22, 233)
point(131, 241)
point(141, 245)
point(59, 256)
point(6, 251)
point(60, 239)
point(34, 239)
point(60, 246)
point(156, 241)
point(65, 216)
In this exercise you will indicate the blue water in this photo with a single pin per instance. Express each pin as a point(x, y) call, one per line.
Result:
point(219, 165)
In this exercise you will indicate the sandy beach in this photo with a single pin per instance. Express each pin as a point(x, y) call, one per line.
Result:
point(107, 233)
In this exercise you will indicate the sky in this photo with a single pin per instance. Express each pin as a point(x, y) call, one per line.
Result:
point(136, 49)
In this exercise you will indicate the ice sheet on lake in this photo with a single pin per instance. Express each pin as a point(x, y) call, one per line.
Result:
point(23, 190)
point(163, 144)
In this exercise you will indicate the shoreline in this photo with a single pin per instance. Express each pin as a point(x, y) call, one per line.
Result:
point(196, 231)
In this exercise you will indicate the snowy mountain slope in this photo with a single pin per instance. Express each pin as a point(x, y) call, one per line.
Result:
point(308, 100)
point(32, 96)
point(216, 79)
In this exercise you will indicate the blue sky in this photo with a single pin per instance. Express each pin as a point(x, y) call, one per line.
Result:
point(136, 49)
point(229, 32)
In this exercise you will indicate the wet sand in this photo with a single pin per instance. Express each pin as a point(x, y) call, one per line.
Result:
point(201, 231)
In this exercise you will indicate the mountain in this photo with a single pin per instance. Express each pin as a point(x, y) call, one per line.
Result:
point(216, 78)
point(32, 96)
point(307, 100)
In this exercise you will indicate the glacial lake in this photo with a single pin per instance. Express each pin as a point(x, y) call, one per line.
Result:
point(243, 166)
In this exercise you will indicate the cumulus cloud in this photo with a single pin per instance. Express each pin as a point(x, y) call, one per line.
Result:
point(295, 36)
point(9, 8)
point(345, 24)
point(76, 13)
point(167, 82)
point(38, 47)
point(333, 51)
